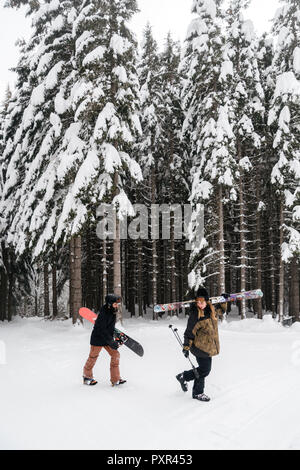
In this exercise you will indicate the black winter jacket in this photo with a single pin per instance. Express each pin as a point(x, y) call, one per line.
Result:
point(103, 331)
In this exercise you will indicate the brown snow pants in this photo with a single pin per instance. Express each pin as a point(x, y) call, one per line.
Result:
point(114, 362)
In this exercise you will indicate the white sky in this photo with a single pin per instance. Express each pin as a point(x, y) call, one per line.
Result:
point(163, 15)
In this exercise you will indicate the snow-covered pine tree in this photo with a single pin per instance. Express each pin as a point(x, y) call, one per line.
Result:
point(3, 111)
point(266, 202)
point(50, 62)
point(16, 269)
point(245, 98)
point(150, 95)
point(284, 121)
point(99, 143)
point(3, 281)
point(174, 184)
point(32, 5)
point(3, 225)
point(13, 165)
point(257, 196)
point(208, 133)
point(30, 188)
point(148, 146)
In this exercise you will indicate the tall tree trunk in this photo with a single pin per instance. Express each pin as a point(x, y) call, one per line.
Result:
point(71, 275)
point(294, 289)
point(3, 294)
point(54, 287)
point(117, 259)
point(36, 308)
point(172, 219)
point(46, 291)
point(88, 269)
point(75, 278)
point(242, 239)
point(258, 247)
point(77, 287)
point(104, 269)
point(172, 261)
point(117, 273)
point(117, 248)
point(132, 277)
point(140, 277)
point(272, 273)
point(221, 287)
point(281, 264)
point(4, 283)
point(11, 281)
point(154, 243)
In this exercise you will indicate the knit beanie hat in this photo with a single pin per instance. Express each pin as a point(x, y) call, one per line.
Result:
point(112, 298)
point(201, 292)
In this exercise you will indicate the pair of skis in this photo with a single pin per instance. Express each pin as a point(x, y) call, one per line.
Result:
point(247, 295)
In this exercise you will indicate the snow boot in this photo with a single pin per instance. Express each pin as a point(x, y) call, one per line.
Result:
point(119, 382)
point(89, 381)
point(201, 397)
point(182, 382)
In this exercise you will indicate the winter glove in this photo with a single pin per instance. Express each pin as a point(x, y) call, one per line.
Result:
point(121, 338)
point(186, 352)
point(115, 345)
point(226, 296)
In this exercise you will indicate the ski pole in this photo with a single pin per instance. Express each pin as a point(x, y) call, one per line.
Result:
point(176, 334)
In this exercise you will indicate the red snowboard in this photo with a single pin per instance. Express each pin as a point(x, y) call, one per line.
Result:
point(88, 314)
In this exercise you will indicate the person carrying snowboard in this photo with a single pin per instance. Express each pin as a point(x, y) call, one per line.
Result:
point(103, 337)
point(201, 338)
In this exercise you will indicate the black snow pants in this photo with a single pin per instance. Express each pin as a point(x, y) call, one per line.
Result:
point(204, 368)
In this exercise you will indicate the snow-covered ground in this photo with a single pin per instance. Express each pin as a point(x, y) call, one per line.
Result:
point(254, 386)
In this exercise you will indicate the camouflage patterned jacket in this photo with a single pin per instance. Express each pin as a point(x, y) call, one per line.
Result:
point(201, 336)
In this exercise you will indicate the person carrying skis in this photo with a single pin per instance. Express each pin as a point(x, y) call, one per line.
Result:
point(103, 337)
point(201, 338)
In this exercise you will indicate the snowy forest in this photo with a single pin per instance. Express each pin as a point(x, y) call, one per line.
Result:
point(96, 117)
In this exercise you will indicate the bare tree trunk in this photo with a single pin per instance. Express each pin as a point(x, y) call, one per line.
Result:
point(75, 278)
point(172, 260)
point(281, 265)
point(117, 248)
point(3, 295)
point(140, 277)
point(46, 291)
point(77, 288)
point(166, 279)
point(258, 247)
point(242, 240)
point(72, 275)
point(36, 310)
point(3, 285)
point(132, 277)
point(272, 273)
point(54, 287)
point(117, 273)
point(154, 244)
point(10, 279)
point(117, 259)
point(221, 286)
point(154, 278)
point(294, 289)
point(104, 269)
